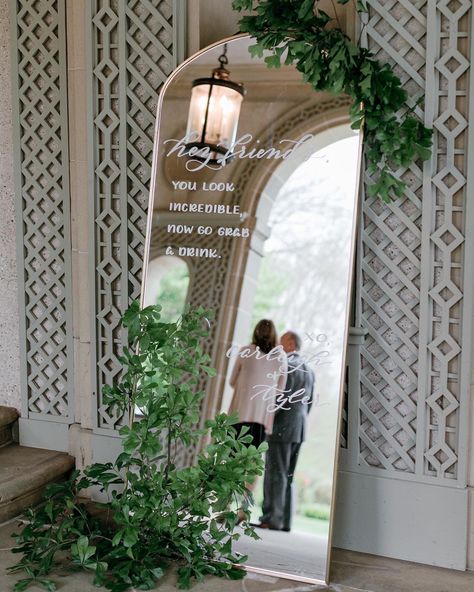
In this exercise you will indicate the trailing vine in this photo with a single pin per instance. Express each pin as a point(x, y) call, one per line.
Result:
point(298, 32)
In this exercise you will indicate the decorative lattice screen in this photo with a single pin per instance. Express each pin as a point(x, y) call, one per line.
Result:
point(411, 410)
point(134, 48)
point(415, 361)
point(43, 225)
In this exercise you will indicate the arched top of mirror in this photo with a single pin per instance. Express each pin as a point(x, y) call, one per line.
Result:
point(278, 108)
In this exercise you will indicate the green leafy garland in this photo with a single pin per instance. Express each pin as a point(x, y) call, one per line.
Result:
point(297, 32)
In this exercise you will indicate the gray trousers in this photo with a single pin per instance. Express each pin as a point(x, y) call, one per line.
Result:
point(280, 466)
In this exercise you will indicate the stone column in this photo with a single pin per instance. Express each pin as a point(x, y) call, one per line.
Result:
point(9, 315)
point(80, 433)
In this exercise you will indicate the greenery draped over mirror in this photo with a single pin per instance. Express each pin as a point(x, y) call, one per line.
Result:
point(299, 32)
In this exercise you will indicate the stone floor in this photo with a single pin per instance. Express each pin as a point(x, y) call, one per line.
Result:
point(351, 572)
point(307, 557)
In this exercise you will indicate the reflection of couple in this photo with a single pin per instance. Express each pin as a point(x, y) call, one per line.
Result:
point(273, 391)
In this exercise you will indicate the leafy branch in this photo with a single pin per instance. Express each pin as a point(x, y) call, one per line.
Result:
point(157, 512)
point(298, 32)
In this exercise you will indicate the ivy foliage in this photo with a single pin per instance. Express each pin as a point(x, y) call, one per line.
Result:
point(298, 32)
point(157, 513)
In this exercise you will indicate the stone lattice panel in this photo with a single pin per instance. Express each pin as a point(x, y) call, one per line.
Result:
point(43, 209)
point(442, 408)
point(390, 268)
point(133, 51)
point(408, 408)
point(149, 43)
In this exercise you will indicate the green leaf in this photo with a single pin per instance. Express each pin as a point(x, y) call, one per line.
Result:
point(82, 551)
point(22, 584)
point(306, 10)
point(48, 585)
point(48, 509)
point(117, 538)
point(273, 61)
point(242, 4)
point(323, 17)
point(130, 537)
point(235, 573)
point(256, 51)
point(209, 371)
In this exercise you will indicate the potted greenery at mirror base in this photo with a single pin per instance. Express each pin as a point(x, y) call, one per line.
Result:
point(159, 514)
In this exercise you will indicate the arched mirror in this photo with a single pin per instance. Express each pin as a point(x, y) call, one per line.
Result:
point(252, 214)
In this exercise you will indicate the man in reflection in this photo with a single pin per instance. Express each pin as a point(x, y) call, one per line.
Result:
point(288, 434)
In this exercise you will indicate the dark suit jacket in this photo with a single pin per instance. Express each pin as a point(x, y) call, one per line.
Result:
point(290, 424)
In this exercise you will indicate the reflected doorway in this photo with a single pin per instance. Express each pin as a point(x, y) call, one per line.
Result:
point(168, 285)
point(297, 285)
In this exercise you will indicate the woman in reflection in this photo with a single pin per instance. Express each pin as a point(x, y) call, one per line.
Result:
point(257, 376)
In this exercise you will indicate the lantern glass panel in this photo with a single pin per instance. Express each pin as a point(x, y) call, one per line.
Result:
point(222, 115)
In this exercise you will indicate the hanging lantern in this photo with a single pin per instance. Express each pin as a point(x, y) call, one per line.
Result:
point(214, 113)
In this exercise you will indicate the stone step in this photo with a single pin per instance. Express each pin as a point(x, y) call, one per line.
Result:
point(25, 473)
point(8, 425)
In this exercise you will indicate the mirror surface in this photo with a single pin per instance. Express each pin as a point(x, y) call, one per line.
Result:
point(257, 223)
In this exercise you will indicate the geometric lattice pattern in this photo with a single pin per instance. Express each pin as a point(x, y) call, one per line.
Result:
point(132, 54)
point(449, 195)
point(41, 143)
point(411, 254)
